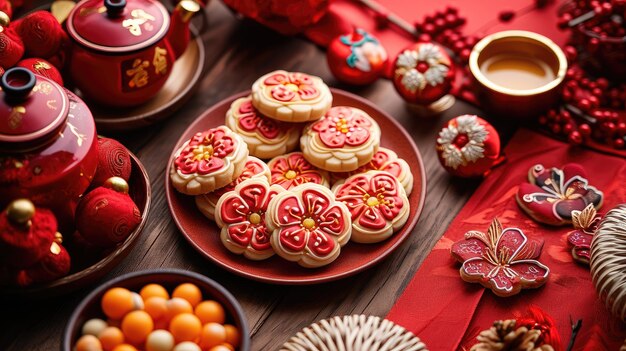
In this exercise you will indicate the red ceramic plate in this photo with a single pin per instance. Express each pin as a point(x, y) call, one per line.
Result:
point(204, 236)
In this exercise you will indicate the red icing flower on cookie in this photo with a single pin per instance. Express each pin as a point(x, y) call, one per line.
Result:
point(502, 260)
point(553, 194)
point(292, 170)
point(252, 169)
point(293, 86)
point(373, 201)
point(205, 152)
point(252, 121)
point(343, 126)
point(241, 214)
point(579, 240)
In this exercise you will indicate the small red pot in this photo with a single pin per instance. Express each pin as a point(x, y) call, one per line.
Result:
point(48, 143)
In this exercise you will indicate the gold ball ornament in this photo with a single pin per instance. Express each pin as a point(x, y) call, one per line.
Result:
point(21, 211)
point(4, 19)
point(117, 184)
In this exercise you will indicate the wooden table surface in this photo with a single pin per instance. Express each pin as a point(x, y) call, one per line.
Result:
point(238, 53)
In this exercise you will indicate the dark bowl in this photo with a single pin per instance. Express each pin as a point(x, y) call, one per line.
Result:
point(169, 278)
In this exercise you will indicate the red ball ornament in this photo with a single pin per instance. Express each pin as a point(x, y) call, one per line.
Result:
point(113, 161)
point(105, 217)
point(5, 6)
point(26, 234)
point(42, 68)
point(11, 47)
point(468, 146)
point(357, 58)
point(54, 265)
point(423, 73)
point(42, 34)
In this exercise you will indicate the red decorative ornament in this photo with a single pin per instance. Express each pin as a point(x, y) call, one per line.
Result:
point(113, 161)
point(5, 6)
point(55, 264)
point(468, 146)
point(42, 68)
point(538, 319)
point(105, 217)
point(42, 34)
point(423, 73)
point(11, 47)
point(357, 58)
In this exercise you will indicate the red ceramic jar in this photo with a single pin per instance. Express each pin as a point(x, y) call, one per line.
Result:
point(124, 49)
point(48, 143)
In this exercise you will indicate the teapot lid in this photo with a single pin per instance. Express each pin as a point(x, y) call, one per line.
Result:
point(118, 25)
point(33, 109)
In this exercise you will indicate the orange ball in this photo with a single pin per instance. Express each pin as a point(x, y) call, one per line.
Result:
point(117, 302)
point(189, 292)
point(153, 290)
point(223, 347)
point(125, 347)
point(156, 307)
point(185, 327)
point(232, 335)
point(88, 343)
point(110, 337)
point(213, 334)
point(136, 326)
point(176, 306)
point(210, 311)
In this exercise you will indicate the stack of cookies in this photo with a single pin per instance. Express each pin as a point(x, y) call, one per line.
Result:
point(287, 205)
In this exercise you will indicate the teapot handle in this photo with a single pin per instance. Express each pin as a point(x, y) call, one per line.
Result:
point(114, 7)
point(17, 83)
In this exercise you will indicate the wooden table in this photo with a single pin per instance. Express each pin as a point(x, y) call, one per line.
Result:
point(238, 53)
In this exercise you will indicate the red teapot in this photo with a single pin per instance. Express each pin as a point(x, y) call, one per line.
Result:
point(124, 50)
point(48, 143)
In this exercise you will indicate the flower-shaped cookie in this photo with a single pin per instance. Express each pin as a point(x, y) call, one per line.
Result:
point(293, 169)
point(377, 202)
point(501, 260)
point(552, 194)
point(342, 141)
point(241, 216)
point(266, 138)
point(291, 96)
point(579, 240)
point(383, 160)
point(253, 169)
point(208, 161)
point(308, 225)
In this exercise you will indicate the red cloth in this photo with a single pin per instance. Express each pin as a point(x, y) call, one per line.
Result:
point(446, 313)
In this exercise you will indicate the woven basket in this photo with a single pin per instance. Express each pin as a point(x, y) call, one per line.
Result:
point(354, 333)
point(608, 261)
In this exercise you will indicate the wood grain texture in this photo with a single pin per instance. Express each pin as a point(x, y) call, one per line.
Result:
point(237, 53)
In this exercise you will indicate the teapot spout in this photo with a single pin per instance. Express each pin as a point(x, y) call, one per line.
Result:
point(178, 35)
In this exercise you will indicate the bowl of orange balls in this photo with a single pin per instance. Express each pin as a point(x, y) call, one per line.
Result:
point(158, 310)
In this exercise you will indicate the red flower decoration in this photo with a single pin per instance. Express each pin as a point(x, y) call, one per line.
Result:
point(293, 169)
point(294, 86)
point(241, 215)
point(579, 240)
point(252, 121)
point(309, 225)
point(205, 152)
point(501, 260)
point(343, 126)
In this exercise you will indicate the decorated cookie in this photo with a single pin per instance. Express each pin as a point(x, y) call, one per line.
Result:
point(208, 161)
point(552, 194)
point(377, 202)
point(585, 223)
point(342, 141)
point(266, 138)
point(501, 260)
point(241, 216)
point(383, 160)
point(293, 169)
point(291, 96)
point(308, 225)
point(254, 169)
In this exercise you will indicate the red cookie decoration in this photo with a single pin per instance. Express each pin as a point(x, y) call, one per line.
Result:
point(293, 169)
point(308, 225)
point(208, 161)
point(468, 146)
point(384, 160)
point(113, 161)
point(253, 169)
point(266, 137)
point(579, 240)
point(501, 260)
point(377, 202)
point(552, 194)
point(241, 216)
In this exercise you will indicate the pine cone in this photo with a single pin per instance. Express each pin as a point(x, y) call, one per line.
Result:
point(503, 336)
